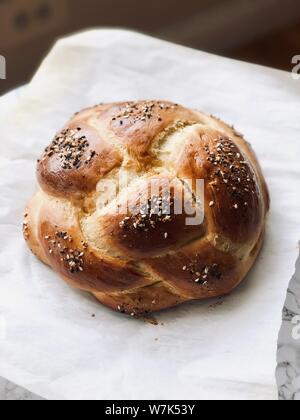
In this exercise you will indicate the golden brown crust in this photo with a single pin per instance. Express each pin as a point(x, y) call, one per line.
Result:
point(143, 235)
point(109, 244)
point(74, 162)
point(231, 186)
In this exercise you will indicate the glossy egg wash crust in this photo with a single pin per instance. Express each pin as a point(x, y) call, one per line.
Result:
point(141, 262)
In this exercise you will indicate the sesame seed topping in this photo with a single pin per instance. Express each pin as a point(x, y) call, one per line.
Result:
point(142, 111)
point(201, 274)
point(232, 171)
point(72, 258)
point(26, 230)
point(71, 147)
point(151, 215)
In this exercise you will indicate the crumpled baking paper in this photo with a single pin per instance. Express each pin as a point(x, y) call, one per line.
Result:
point(224, 349)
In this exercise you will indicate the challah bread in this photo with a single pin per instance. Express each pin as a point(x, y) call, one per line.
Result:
point(141, 258)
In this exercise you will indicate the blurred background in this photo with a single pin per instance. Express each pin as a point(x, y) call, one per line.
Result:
point(261, 31)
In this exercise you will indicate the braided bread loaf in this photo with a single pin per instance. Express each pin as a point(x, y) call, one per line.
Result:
point(137, 262)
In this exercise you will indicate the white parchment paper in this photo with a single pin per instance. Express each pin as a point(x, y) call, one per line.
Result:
point(49, 342)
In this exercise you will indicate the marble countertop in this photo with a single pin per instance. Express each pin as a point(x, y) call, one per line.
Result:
point(288, 356)
point(11, 392)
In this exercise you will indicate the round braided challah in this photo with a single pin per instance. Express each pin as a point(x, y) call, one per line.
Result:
point(123, 241)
